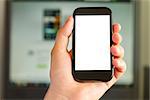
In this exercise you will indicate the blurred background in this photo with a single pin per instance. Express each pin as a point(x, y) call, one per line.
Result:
point(27, 33)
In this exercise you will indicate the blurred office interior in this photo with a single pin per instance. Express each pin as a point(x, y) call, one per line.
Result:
point(27, 34)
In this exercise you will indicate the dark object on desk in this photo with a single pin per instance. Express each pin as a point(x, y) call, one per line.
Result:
point(146, 82)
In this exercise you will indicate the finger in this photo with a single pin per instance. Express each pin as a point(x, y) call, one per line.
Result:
point(116, 28)
point(119, 65)
point(119, 70)
point(117, 38)
point(63, 34)
point(117, 51)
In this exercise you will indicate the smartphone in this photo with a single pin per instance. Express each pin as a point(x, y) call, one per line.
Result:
point(92, 32)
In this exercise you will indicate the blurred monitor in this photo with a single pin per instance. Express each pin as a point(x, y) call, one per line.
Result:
point(33, 30)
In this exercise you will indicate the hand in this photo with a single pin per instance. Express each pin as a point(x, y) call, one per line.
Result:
point(63, 86)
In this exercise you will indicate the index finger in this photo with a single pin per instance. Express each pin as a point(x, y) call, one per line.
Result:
point(116, 28)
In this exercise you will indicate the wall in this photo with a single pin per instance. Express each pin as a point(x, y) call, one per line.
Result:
point(1, 41)
point(144, 34)
point(148, 33)
point(144, 31)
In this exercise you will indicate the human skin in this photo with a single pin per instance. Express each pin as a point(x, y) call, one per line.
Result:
point(63, 86)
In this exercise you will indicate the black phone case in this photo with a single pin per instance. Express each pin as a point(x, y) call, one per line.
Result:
point(84, 75)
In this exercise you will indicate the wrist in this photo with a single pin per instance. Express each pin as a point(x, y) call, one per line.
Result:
point(54, 95)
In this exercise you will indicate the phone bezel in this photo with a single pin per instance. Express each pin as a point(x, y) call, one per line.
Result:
point(100, 75)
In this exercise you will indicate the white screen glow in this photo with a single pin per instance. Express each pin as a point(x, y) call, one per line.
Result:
point(92, 42)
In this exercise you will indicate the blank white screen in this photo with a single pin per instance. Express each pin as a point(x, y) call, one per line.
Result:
point(92, 42)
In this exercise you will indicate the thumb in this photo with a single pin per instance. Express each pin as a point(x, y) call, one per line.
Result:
point(63, 34)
